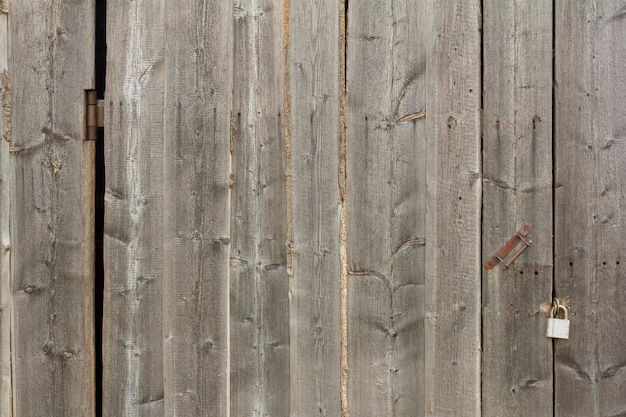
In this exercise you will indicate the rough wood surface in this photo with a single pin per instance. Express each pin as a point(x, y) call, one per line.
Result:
point(313, 59)
point(50, 67)
point(133, 243)
point(517, 189)
point(259, 286)
point(196, 213)
point(5, 238)
point(590, 221)
point(453, 200)
point(386, 184)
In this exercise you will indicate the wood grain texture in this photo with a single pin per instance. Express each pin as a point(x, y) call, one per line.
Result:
point(196, 214)
point(313, 57)
point(51, 66)
point(259, 286)
point(133, 242)
point(386, 179)
point(517, 189)
point(6, 404)
point(453, 199)
point(590, 221)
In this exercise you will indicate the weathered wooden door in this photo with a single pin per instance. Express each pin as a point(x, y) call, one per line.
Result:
point(552, 131)
point(299, 197)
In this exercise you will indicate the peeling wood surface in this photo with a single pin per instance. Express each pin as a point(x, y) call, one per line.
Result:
point(590, 219)
point(386, 185)
point(5, 237)
point(133, 243)
point(517, 189)
point(453, 203)
point(259, 285)
point(196, 213)
point(313, 59)
point(52, 213)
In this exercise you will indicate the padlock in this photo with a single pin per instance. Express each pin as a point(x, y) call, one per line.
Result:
point(558, 328)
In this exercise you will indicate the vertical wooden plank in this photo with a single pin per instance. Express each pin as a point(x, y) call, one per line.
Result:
point(313, 103)
point(196, 213)
point(517, 178)
point(259, 286)
point(5, 208)
point(590, 219)
point(453, 199)
point(133, 245)
point(386, 181)
point(51, 66)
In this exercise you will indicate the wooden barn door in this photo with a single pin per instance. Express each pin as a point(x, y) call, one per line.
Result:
point(299, 199)
point(554, 161)
point(46, 209)
point(553, 128)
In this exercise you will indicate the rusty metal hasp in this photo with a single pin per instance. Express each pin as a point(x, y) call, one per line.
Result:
point(519, 236)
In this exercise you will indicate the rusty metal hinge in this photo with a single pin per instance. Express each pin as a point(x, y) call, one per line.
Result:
point(95, 114)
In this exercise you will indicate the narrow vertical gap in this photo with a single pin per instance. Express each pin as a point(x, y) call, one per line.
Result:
point(553, 195)
point(100, 66)
point(343, 248)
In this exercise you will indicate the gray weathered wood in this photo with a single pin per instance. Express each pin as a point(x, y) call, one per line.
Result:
point(196, 213)
point(5, 207)
point(52, 213)
point(386, 181)
point(453, 270)
point(259, 286)
point(517, 189)
point(313, 96)
point(133, 244)
point(590, 221)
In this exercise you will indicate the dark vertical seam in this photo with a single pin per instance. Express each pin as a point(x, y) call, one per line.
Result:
point(98, 294)
point(553, 195)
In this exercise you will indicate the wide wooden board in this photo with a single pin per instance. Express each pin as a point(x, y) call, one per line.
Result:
point(196, 212)
point(133, 242)
point(590, 220)
point(51, 50)
point(312, 96)
point(385, 197)
point(517, 190)
point(453, 203)
point(259, 286)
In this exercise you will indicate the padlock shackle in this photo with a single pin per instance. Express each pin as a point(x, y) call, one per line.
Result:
point(554, 312)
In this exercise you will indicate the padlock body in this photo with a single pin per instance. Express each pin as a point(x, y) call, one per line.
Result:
point(558, 328)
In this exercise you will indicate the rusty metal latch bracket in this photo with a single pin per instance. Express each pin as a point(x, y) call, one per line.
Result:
point(94, 114)
point(519, 236)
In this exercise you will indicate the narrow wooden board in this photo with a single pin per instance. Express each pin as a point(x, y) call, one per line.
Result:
point(517, 189)
point(453, 200)
point(386, 185)
point(133, 243)
point(52, 213)
point(590, 221)
point(5, 217)
point(312, 140)
point(259, 286)
point(196, 213)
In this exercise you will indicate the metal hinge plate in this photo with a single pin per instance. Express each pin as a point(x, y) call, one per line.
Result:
point(95, 114)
